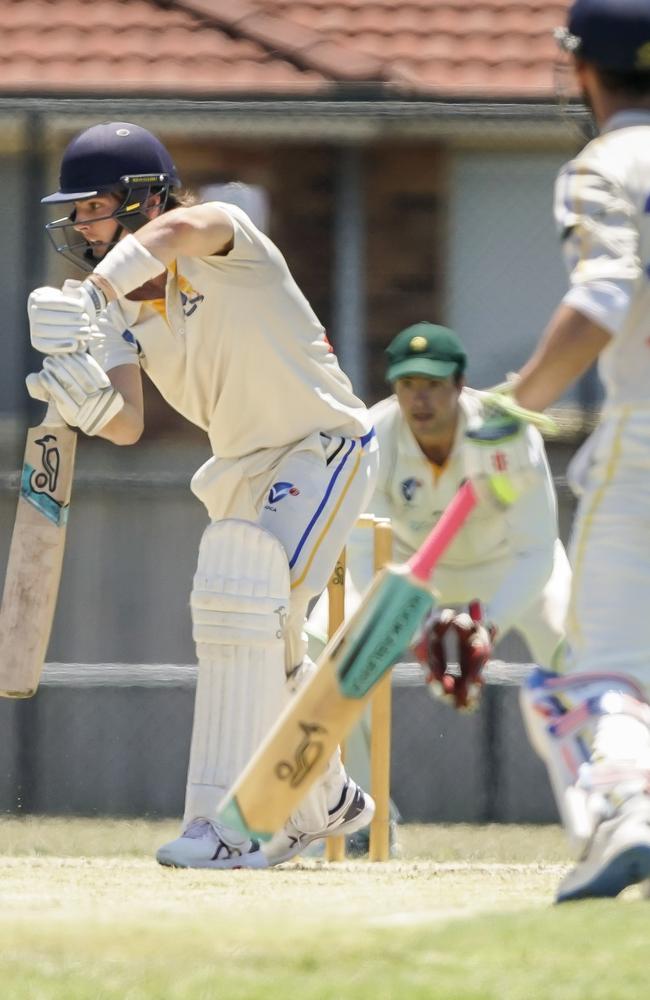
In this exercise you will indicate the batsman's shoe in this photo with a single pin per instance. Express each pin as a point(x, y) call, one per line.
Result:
point(353, 811)
point(617, 856)
point(206, 844)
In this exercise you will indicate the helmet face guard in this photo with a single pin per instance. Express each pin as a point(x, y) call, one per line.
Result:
point(136, 191)
point(110, 158)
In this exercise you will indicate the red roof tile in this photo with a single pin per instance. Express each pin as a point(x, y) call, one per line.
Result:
point(485, 48)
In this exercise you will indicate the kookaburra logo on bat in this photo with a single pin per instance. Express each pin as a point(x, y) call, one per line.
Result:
point(306, 756)
point(45, 480)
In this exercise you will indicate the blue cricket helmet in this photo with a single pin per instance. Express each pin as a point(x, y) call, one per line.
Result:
point(100, 158)
point(111, 158)
point(611, 34)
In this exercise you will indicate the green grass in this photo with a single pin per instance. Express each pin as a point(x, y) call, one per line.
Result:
point(464, 914)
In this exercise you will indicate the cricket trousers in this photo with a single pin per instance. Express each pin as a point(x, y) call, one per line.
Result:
point(607, 623)
point(309, 497)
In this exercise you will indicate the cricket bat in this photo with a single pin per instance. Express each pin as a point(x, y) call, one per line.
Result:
point(300, 744)
point(35, 555)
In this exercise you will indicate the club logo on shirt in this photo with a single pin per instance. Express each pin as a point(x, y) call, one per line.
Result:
point(408, 488)
point(278, 492)
point(190, 301)
point(190, 298)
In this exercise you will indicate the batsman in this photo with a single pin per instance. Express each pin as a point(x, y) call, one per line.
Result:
point(202, 302)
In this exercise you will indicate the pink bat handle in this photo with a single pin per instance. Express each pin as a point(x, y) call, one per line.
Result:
point(421, 564)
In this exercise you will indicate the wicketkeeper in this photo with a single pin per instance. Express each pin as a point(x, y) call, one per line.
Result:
point(507, 569)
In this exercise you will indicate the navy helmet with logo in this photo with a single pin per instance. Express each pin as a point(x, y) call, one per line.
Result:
point(110, 158)
point(611, 34)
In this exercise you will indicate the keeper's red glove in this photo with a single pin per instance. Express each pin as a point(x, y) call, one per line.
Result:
point(474, 639)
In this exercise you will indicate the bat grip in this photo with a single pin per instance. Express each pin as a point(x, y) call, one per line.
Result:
point(421, 564)
point(52, 417)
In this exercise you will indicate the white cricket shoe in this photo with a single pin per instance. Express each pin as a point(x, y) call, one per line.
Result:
point(353, 811)
point(617, 856)
point(207, 844)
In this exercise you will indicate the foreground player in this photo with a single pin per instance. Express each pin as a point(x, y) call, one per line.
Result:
point(204, 303)
point(592, 725)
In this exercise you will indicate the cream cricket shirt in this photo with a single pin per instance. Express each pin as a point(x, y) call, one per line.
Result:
point(504, 557)
point(602, 210)
point(236, 348)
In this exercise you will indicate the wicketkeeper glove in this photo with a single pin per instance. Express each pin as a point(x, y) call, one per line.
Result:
point(474, 638)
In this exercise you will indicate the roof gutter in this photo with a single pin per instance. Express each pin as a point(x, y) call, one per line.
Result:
point(330, 120)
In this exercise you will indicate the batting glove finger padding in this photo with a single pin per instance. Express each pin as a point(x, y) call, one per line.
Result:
point(62, 320)
point(35, 387)
point(81, 390)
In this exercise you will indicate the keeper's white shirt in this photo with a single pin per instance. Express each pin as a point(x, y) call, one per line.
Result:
point(236, 348)
point(507, 558)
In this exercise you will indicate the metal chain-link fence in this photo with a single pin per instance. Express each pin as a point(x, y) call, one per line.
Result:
point(113, 739)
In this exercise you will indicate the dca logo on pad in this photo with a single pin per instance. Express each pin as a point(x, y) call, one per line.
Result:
point(278, 492)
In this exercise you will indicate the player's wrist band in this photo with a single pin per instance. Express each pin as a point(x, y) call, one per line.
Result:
point(127, 266)
point(98, 296)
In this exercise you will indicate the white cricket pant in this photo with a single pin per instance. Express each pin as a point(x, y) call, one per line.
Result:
point(607, 629)
point(308, 501)
point(314, 501)
point(608, 619)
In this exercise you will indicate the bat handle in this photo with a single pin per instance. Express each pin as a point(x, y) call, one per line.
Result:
point(421, 564)
point(52, 417)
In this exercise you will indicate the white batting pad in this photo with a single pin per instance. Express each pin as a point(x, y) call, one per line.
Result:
point(239, 606)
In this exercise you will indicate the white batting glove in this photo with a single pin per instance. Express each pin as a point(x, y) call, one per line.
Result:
point(62, 320)
point(79, 388)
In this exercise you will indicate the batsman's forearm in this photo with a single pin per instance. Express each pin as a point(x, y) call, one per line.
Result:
point(125, 428)
point(569, 346)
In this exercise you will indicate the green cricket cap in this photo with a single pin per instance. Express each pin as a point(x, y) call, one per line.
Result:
point(425, 349)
